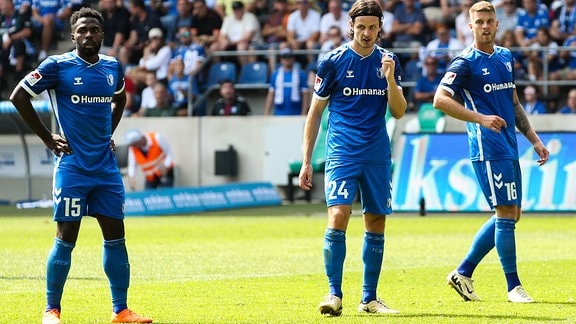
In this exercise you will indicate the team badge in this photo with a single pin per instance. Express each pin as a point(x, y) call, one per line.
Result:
point(317, 83)
point(110, 79)
point(380, 73)
point(509, 66)
point(448, 78)
point(33, 77)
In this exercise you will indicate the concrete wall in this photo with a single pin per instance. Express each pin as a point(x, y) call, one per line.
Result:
point(265, 145)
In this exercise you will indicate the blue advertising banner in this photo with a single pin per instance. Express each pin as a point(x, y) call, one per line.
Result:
point(436, 167)
point(199, 199)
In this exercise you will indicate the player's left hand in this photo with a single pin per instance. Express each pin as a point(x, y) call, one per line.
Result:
point(542, 152)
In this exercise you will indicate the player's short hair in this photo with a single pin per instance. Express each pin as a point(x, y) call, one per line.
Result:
point(364, 8)
point(482, 6)
point(86, 12)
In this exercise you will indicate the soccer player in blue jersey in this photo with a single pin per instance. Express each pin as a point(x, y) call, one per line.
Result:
point(356, 82)
point(483, 75)
point(87, 95)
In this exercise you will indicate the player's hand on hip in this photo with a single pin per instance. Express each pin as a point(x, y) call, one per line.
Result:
point(493, 122)
point(305, 177)
point(59, 145)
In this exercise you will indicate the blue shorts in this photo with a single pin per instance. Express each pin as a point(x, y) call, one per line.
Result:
point(500, 181)
point(342, 179)
point(77, 194)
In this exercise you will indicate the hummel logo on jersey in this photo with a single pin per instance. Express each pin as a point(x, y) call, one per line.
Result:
point(485, 71)
point(78, 81)
point(349, 74)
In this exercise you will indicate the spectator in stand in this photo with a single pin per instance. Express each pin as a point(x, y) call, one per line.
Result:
point(508, 40)
point(230, 103)
point(191, 53)
point(386, 36)
point(433, 12)
point(427, 84)
point(178, 84)
point(152, 153)
point(147, 98)
point(507, 15)
point(164, 106)
point(304, 29)
point(443, 47)
point(532, 17)
point(116, 26)
point(570, 107)
point(225, 7)
point(288, 93)
point(206, 24)
point(334, 17)
point(15, 33)
point(275, 31)
point(564, 21)
point(462, 21)
point(48, 18)
point(156, 55)
point(23, 6)
point(537, 55)
point(182, 18)
point(132, 98)
point(141, 22)
point(240, 32)
point(532, 105)
point(568, 72)
point(409, 25)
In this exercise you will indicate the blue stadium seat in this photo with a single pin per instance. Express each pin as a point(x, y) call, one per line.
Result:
point(253, 73)
point(412, 71)
point(219, 72)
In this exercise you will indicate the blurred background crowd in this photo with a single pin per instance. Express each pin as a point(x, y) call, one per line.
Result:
point(175, 52)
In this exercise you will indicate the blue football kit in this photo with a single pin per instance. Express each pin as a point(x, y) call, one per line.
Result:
point(486, 84)
point(358, 153)
point(88, 181)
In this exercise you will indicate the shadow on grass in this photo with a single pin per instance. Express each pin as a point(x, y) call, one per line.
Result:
point(472, 318)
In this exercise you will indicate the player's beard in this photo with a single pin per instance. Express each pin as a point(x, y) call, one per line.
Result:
point(89, 51)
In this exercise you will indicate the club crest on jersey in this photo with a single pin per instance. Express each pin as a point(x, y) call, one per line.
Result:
point(317, 83)
point(509, 66)
point(110, 79)
point(448, 78)
point(380, 73)
point(33, 77)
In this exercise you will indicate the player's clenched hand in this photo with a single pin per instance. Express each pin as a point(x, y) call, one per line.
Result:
point(59, 145)
point(388, 65)
point(493, 122)
point(305, 177)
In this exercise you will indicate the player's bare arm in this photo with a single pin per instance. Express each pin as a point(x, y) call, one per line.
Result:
point(444, 102)
point(310, 133)
point(523, 125)
point(54, 142)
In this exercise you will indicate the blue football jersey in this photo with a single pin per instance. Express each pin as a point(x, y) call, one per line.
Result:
point(81, 95)
point(486, 84)
point(357, 92)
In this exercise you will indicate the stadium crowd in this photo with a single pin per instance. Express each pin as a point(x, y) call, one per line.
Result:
point(174, 41)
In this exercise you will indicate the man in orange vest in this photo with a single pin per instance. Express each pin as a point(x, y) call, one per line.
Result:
point(152, 153)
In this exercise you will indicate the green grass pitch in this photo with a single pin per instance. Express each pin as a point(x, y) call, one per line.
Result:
point(265, 265)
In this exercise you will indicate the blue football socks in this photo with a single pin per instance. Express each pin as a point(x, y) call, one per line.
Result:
point(334, 255)
point(372, 255)
point(117, 268)
point(506, 247)
point(57, 268)
point(482, 244)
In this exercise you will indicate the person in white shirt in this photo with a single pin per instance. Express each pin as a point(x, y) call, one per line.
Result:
point(334, 17)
